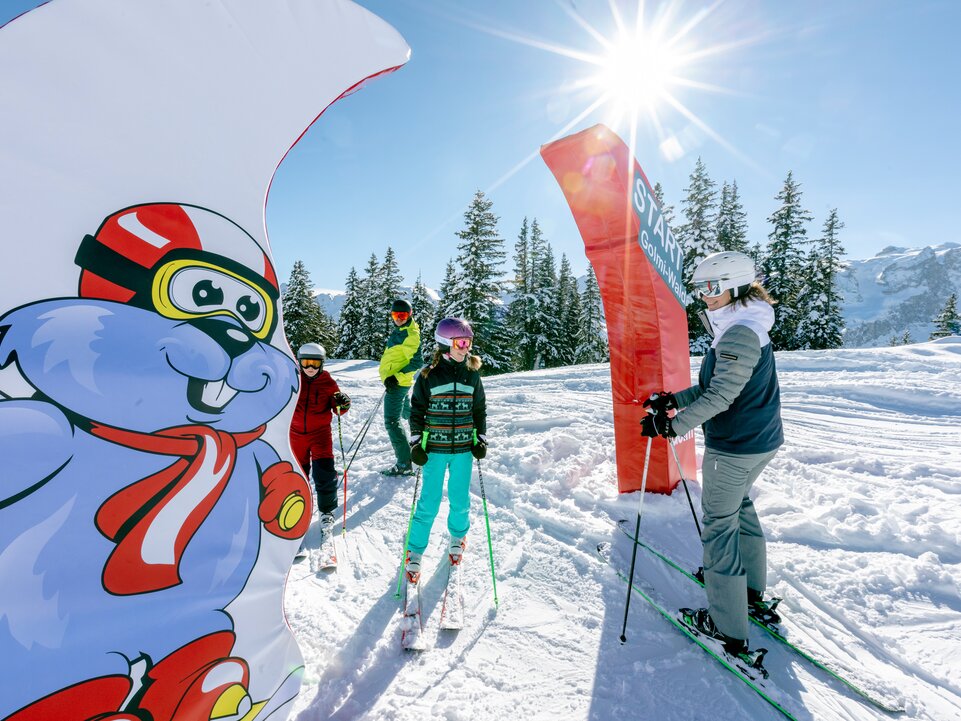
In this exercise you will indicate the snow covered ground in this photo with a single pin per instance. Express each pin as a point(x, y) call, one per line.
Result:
point(862, 512)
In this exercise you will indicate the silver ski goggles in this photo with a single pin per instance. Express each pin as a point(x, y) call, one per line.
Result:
point(708, 288)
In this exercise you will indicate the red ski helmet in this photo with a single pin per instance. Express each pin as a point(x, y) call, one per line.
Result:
point(182, 261)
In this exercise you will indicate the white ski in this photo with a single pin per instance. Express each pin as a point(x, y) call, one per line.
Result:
point(412, 627)
point(324, 557)
point(452, 611)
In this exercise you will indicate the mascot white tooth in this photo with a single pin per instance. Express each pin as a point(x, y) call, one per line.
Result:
point(121, 431)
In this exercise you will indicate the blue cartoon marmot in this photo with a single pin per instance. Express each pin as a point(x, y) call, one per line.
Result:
point(135, 482)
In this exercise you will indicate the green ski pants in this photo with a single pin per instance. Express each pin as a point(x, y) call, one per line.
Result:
point(397, 406)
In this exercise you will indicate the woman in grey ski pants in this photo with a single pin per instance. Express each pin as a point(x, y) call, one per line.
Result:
point(735, 554)
point(737, 400)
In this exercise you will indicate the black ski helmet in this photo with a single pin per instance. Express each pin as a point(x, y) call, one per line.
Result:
point(401, 306)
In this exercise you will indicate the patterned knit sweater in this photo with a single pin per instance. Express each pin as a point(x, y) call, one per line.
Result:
point(449, 403)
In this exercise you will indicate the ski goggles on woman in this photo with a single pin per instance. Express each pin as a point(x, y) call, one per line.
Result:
point(311, 363)
point(461, 343)
point(708, 288)
point(400, 316)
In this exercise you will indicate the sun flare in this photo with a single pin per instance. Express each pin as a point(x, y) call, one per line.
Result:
point(637, 73)
point(644, 65)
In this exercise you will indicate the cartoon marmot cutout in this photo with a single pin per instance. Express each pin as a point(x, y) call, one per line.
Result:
point(136, 481)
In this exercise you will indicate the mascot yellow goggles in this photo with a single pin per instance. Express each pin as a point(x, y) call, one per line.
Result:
point(187, 289)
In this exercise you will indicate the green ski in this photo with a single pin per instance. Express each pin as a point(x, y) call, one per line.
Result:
point(724, 659)
point(773, 632)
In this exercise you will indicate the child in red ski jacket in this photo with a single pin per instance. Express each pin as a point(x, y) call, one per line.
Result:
point(310, 436)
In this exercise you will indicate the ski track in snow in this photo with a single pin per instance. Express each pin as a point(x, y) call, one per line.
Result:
point(861, 508)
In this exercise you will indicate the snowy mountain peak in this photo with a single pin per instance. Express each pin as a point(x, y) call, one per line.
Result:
point(898, 290)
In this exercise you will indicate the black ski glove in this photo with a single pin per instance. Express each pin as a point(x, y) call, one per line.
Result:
point(661, 402)
point(657, 424)
point(341, 403)
point(417, 453)
point(391, 382)
point(479, 449)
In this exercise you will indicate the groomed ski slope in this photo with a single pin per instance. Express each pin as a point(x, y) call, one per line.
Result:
point(863, 513)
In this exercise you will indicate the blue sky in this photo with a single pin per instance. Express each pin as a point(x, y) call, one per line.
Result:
point(859, 98)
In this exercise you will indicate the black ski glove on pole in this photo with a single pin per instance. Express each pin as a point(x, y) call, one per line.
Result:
point(479, 449)
point(657, 424)
point(417, 453)
point(661, 402)
point(341, 403)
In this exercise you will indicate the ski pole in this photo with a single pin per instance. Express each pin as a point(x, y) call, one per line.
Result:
point(637, 535)
point(680, 472)
point(362, 427)
point(360, 438)
point(366, 423)
point(490, 545)
point(343, 462)
point(410, 523)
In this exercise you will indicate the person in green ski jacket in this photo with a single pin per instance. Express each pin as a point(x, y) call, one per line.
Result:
point(448, 426)
point(398, 364)
point(737, 400)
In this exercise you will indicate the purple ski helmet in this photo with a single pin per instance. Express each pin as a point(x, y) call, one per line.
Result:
point(451, 328)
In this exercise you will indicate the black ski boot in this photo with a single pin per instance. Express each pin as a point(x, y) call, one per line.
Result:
point(700, 621)
point(398, 470)
point(762, 611)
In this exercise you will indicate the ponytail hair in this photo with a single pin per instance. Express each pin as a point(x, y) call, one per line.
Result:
point(754, 291)
point(434, 360)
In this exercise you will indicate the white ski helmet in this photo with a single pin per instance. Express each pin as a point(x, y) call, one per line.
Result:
point(719, 272)
point(312, 350)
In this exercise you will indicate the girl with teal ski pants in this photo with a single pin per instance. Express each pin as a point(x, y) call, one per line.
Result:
point(448, 426)
point(460, 466)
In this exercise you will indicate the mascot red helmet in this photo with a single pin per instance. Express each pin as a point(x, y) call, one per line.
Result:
point(182, 261)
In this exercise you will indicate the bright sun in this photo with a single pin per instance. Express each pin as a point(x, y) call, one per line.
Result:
point(637, 73)
point(640, 71)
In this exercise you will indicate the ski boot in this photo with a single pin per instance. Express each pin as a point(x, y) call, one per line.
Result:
point(456, 550)
point(398, 470)
point(412, 566)
point(700, 621)
point(326, 526)
point(762, 611)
